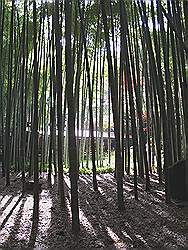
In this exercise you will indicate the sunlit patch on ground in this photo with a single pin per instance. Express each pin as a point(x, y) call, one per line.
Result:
point(18, 221)
point(45, 206)
point(85, 222)
point(67, 181)
point(8, 218)
point(148, 222)
point(25, 222)
point(160, 193)
point(4, 201)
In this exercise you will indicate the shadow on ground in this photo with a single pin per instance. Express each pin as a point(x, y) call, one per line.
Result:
point(145, 223)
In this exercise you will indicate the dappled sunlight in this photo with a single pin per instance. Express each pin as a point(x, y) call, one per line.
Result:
point(141, 187)
point(45, 206)
point(53, 179)
point(113, 236)
point(126, 235)
point(116, 240)
point(8, 218)
point(5, 200)
point(8, 209)
point(160, 193)
point(101, 191)
point(154, 179)
point(109, 177)
point(24, 227)
point(81, 178)
point(44, 176)
point(129, 184)
point(99, 178)
point(67, 181)
point(1, 197)
point(156, 209)
point(68, 205)
point(127, 188)
point(87, 178)
point(140, 238)
point(142, 223)
point(86, 224)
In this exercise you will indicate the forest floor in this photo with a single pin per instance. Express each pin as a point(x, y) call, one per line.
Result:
point(146, 223)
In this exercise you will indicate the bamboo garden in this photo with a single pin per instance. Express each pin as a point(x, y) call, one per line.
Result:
point(94, 87)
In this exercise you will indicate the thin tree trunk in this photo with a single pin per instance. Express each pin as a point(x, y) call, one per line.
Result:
point(91, 127)
point(115, 110)
point(35, 117)
point(8, 108)
point(74, 166)
point(59, 102)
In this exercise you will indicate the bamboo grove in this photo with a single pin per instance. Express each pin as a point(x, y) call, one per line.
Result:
point(81, 80)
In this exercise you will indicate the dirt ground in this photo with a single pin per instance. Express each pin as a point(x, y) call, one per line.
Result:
point(147, 223)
